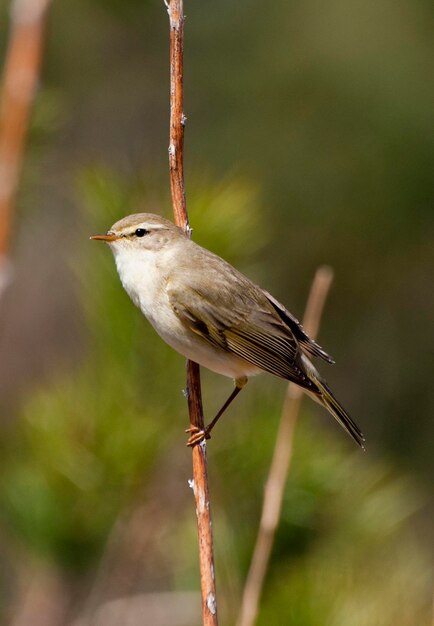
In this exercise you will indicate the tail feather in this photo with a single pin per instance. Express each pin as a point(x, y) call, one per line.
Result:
point(328, 399)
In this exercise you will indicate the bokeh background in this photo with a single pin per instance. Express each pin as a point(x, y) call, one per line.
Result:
point(309, 140)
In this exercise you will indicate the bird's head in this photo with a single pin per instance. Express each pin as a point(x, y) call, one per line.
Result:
point(139, 232)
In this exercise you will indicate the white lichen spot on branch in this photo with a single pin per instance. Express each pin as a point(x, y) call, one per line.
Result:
point(211, 603)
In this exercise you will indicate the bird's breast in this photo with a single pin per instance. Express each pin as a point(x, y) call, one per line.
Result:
point(144, 278)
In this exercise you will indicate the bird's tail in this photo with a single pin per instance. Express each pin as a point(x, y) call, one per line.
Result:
point(326, 397)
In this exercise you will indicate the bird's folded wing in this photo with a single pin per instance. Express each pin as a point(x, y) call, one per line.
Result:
point(250, 332)
point(307, 344)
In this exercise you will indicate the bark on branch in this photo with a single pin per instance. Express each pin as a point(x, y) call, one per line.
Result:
point(176, 163)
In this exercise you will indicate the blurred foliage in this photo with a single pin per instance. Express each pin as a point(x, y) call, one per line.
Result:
point(325, 112)
point(88, 443)
point(360, 556)
point(347, 549)
point(85, 443)
point(129, 11)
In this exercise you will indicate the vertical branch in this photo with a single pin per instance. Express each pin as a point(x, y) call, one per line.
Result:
point(177, 117)
point(20, 79)
point(176, 162)
point(275, 485)
point(203, 506)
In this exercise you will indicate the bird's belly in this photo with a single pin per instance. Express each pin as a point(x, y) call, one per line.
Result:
point(193, 347)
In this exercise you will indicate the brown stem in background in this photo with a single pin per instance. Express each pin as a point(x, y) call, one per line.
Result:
point(44, 599)
point(176, 162)
point(275, 485)
point(20, 79)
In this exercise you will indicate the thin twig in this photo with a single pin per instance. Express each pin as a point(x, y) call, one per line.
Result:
point(177, 117)
point(275, 485)
point(176, 162)
point(20, 78)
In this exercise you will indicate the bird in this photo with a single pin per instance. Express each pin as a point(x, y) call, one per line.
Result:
point(214, 315)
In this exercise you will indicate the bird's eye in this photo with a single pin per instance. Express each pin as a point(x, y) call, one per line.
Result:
point(140, 232)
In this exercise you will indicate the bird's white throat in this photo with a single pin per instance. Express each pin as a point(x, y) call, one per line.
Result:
point(142, 277)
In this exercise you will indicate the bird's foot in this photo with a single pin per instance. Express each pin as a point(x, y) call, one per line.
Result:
point(197, 435)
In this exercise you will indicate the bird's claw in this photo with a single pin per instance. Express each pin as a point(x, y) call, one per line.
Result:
point(197, 435)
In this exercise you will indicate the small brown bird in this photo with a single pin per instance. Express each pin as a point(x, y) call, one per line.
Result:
point(214, 315)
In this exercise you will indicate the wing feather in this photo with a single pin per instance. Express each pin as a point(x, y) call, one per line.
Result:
point(246, 329)
point(307, 344)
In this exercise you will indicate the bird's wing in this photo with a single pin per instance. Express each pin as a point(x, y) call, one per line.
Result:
point(239, 324)
point(307, 344)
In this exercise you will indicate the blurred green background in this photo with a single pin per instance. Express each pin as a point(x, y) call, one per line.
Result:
point(309, 140)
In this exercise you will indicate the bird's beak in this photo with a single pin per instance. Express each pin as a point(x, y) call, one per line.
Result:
point(107, 237)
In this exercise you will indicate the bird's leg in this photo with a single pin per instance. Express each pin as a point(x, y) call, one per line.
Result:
point(198, 435)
